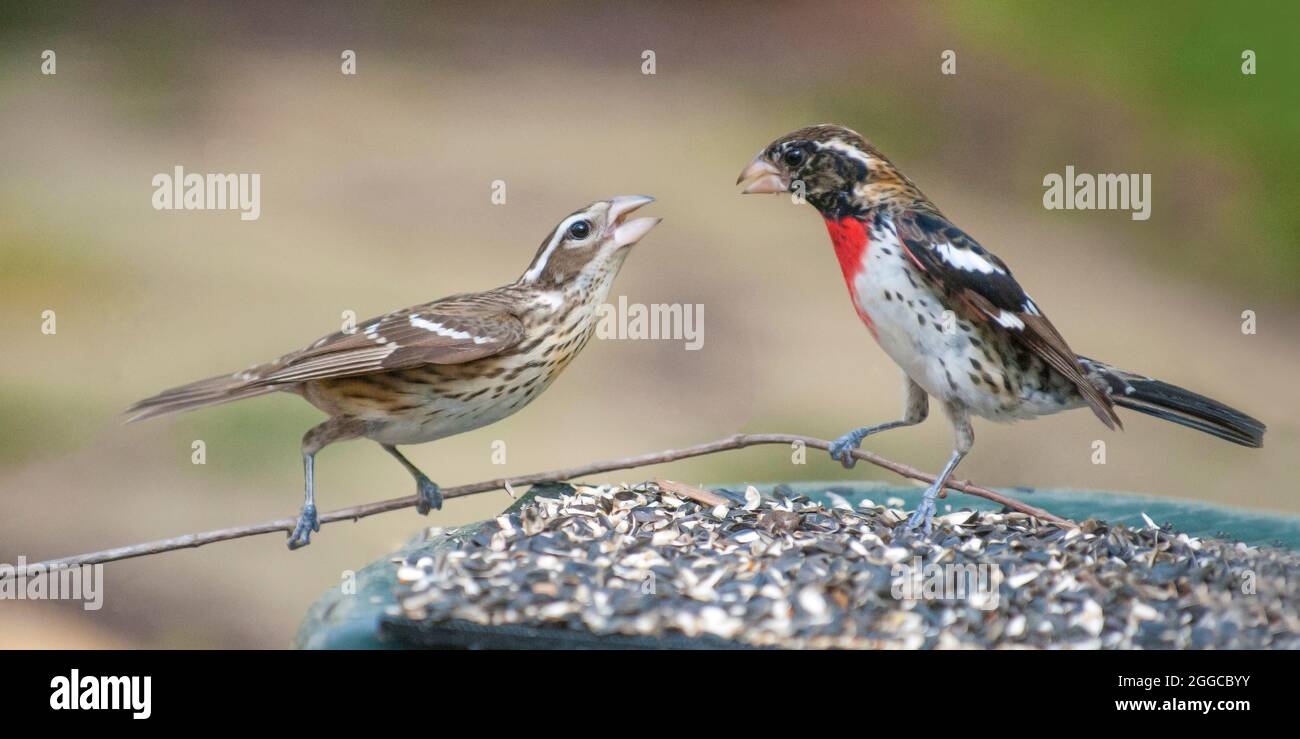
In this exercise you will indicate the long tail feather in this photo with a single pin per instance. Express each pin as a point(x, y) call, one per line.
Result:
point(212, 391)
point(1175, 404)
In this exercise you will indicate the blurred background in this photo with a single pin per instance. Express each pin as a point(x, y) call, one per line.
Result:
point(376, 195)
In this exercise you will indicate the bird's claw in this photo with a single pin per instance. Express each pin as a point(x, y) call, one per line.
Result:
point(842, 449)
point(924, 514)
point(307, 523)
point(430, 496)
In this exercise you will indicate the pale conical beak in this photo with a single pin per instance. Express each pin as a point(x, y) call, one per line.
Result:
point(761, 177)
point(628, 232)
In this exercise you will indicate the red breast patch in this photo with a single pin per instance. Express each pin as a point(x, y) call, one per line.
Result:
point(852, 242)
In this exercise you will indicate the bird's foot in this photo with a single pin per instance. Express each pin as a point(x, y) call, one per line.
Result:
point(842, 448)
point(429, 494)
point(924, 514)
point(307, 523)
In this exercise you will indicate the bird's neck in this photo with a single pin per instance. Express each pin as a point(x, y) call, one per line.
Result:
point(579, 296)
point(595, 282)
point(886, 191)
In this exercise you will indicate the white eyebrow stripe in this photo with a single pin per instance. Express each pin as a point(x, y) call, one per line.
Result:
point(844, 148)
point(966, 259)
point(535, 271)
point(442, 330)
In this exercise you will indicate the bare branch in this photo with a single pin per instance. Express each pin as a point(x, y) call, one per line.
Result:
point(355, 513)
point(690, 492)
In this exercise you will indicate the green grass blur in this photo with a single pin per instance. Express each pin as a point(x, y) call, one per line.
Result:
point(1180, 65)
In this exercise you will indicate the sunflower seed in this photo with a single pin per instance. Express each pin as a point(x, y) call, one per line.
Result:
point(782, 570)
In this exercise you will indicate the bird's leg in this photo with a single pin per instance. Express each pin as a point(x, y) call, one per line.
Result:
point(307, 520)
point(843, 446)
point(916, 406)
point(335, 429)
point(427, 490)
point(964, 437)
point(924, 515)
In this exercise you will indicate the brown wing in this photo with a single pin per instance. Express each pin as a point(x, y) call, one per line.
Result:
point(453, 330)
point(977, 278)
point(449, 331)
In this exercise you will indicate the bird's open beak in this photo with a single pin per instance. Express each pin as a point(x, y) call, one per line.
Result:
point(761, 177)
point(627, 232)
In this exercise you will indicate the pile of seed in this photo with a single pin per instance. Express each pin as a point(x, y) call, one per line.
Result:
point(785, 571)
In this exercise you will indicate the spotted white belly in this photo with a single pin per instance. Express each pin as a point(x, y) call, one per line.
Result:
point(952, 359)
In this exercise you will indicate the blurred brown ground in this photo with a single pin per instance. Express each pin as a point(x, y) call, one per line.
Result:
point(375, 195)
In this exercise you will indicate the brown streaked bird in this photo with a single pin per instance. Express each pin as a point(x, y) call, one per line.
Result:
point(438, 369)
point(948, 311)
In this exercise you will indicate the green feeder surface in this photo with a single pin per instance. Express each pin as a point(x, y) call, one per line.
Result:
point(363, 620)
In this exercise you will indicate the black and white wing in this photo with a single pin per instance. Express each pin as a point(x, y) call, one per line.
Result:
point(978, 279)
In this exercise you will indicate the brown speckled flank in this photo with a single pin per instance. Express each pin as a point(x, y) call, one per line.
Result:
point(433, 401)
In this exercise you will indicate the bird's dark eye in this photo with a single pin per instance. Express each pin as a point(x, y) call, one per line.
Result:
point(580, 230)
point(792, 157)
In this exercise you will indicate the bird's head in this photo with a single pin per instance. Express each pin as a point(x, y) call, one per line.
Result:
point(589, 243)
point(833, 168)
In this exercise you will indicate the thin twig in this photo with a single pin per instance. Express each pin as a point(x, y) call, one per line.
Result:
point(690, 492)
point(739, 441)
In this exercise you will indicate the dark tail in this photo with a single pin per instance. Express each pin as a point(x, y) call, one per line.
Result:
point(1173, 403)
